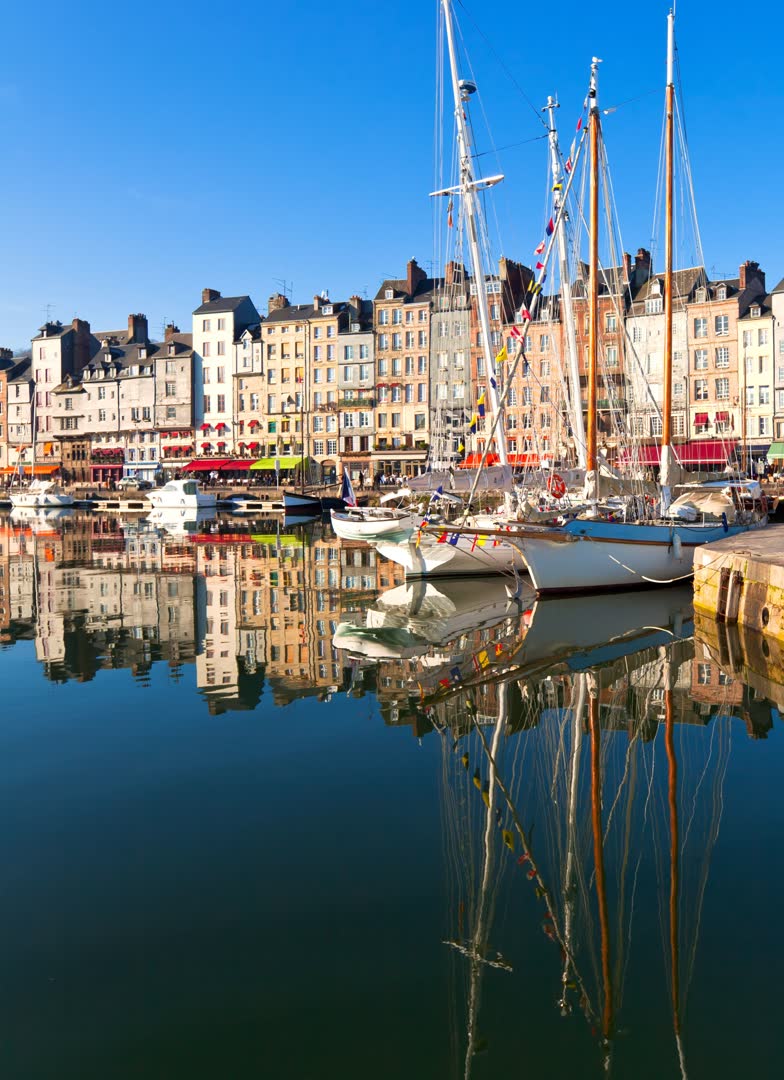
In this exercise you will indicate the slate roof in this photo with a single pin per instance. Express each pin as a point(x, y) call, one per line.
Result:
point(224, 303)
point(684, 282)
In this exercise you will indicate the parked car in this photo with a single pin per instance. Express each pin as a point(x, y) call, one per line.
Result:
point(133, 482)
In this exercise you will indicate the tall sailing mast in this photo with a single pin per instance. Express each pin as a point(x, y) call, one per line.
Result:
point(594, 134)
point(667, 461)
point(576, 412)
point(462, 89)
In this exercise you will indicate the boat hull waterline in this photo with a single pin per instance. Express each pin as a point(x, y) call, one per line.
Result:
point(466, 557)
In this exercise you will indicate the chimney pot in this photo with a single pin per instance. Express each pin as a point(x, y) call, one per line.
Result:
point(170, 331)
point(209, 294)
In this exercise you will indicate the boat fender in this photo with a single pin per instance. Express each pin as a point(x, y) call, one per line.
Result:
point(677, 546)
point(724, 524)
point(556, 486)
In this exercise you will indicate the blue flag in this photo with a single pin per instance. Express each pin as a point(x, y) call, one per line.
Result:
point(347, 491)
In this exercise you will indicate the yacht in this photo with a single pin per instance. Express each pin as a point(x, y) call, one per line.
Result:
point(179, 494)
point(40, 493)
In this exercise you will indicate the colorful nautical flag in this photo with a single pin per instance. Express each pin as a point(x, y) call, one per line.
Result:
point(535, 288)
point(461, 447)
point(456, 674)
point(550, 227)
point(442, 538)
point(502, 356)
point(481, 405)
point(579, 123)
point(517, 333)
point(525, 314)
point(539, 248)
point(453, 539)
point(449, 214)
point(347, 490)
point(568, 165)
point(474, 424)
point(558, 186)
point(540, 266)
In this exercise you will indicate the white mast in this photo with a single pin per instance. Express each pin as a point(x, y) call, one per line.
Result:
point(668, 470)
point(578, 422)
point(462, 90)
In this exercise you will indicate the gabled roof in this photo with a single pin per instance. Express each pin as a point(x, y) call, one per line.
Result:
point(292, 313)
point(684, 283)
point(20, 372)
point(423, 290)
point(224, 303)
point(765, 304)
point(779, 288)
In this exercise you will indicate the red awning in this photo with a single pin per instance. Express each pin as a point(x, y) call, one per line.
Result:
point(706, 452)
point(220, 443)
point(473, 459)
point(254, 423)
point(205, 427)
point(205, 466)
point(206, 445)
point(253, 446)
point(641, 455)
point(522, 460)
point(722, 417)
point(236, 465)
point(221, 426)
point(701, 418)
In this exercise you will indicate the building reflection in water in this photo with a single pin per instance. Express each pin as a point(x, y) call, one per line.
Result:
point(245, 608)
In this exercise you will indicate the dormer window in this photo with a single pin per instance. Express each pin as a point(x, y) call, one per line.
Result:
point(172, 349)
point(389, 294)
point(355, 328)
point(142, 352)
point(327, 309)
point(755, 311)
point(701, 296)
point(721, 292)
point(655, 288)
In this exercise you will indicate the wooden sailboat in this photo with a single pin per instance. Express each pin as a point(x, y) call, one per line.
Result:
point(595, 551)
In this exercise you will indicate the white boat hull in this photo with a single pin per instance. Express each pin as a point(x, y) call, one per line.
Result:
point(37, 500)
point(372, 523)
point(606, 555)
point(467, 557)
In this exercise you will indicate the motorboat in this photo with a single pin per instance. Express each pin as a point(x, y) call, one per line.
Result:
point(180, 521)
point(182, 494)
point(41, 493)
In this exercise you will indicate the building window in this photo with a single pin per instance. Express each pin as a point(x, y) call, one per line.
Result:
point(700, 389)
point(700, 328)
point(700, 359)
point(102, 416)
point(722, 325)
point(332, 447)
point(722, 389)
point(205, 325)
point(610, 321)
point(205, 348)
point(723, 357)
point(764, 395)
point(612, 356)
point(762, 337)
point(654, 307)
point(69, 404)
point(318, 448)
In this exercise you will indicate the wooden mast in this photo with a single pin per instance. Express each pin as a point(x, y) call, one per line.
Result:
point(593, 283)
point(667, 463)
point(598, 856)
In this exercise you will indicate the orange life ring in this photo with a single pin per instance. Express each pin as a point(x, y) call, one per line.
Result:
point(556, 486)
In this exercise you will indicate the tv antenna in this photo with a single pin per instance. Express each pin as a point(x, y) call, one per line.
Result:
point(286, 287)
point(48, 312)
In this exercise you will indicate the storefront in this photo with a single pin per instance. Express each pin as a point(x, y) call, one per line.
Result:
point(106, 465)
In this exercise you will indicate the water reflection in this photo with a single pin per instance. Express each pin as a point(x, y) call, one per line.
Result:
point(584, 749)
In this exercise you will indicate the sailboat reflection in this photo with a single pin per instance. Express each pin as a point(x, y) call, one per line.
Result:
point(602, 746)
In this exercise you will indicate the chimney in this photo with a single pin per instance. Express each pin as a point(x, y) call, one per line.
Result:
point(627, 268)
point(454, 273)
point(749, 273)
point(82, 342)
point(317, 303)
point(276, 303)
point(414, 274)
point(6, 354)
point(209, 294)
point(642, 266)
point(356, 304)
point(137, 329)
point(170, 331)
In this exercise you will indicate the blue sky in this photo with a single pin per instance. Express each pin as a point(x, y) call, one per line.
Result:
point(148, 153)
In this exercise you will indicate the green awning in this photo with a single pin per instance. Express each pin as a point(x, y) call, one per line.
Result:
point(776, 450)
point(273, 540)
point(283, 462)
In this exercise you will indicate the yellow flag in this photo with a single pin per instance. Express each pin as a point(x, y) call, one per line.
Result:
point(503, 356)
point(508, 839)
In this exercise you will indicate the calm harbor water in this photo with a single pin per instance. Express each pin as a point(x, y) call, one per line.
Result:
point(482, 837)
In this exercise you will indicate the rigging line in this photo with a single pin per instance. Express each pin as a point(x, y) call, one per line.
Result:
point(502, 64)
point(628, 101)
point(508, 146)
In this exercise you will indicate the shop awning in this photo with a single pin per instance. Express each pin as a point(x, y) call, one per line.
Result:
point(722, 417)
point(205, 465)
point(642, 455)
point(776, 450)
point(701, 418)
point(30, 470)
point(283, 462)
point(236, 465)
point(706, 452)
point(471, 461)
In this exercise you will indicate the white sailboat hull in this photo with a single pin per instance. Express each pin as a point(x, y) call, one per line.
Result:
point(467, 557)
point(606, 555)
point(373, 523)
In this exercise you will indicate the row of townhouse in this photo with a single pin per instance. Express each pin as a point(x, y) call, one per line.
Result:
point(377, 385)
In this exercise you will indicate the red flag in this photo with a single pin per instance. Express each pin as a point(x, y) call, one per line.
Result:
point(449, 214)
point(442, 538)
point(579, 123)
point(539, 248)
point(540, 266)
point(550, 227)
point(525, 314)
point(568, 165)
point(516, 332)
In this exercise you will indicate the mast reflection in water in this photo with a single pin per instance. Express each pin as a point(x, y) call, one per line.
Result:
point(608, 781)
